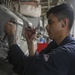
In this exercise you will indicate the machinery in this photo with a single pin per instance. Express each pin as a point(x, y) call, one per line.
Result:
point(5, 16)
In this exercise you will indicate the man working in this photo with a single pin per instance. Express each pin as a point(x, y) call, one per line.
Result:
point(58, 58)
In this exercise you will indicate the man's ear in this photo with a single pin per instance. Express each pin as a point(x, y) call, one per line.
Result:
point(65, 22)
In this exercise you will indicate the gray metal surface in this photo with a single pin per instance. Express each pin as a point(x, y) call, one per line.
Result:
point(5, 16)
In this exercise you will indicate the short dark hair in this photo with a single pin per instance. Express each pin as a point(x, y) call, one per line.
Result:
point(63, 11)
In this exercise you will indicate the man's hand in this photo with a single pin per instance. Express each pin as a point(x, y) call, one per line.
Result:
point(10, 30)
point(30, 34)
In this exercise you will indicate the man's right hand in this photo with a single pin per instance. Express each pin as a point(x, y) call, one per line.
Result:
point(10, 30)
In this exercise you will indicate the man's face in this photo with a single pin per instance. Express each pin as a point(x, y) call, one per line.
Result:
point(54, 27)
